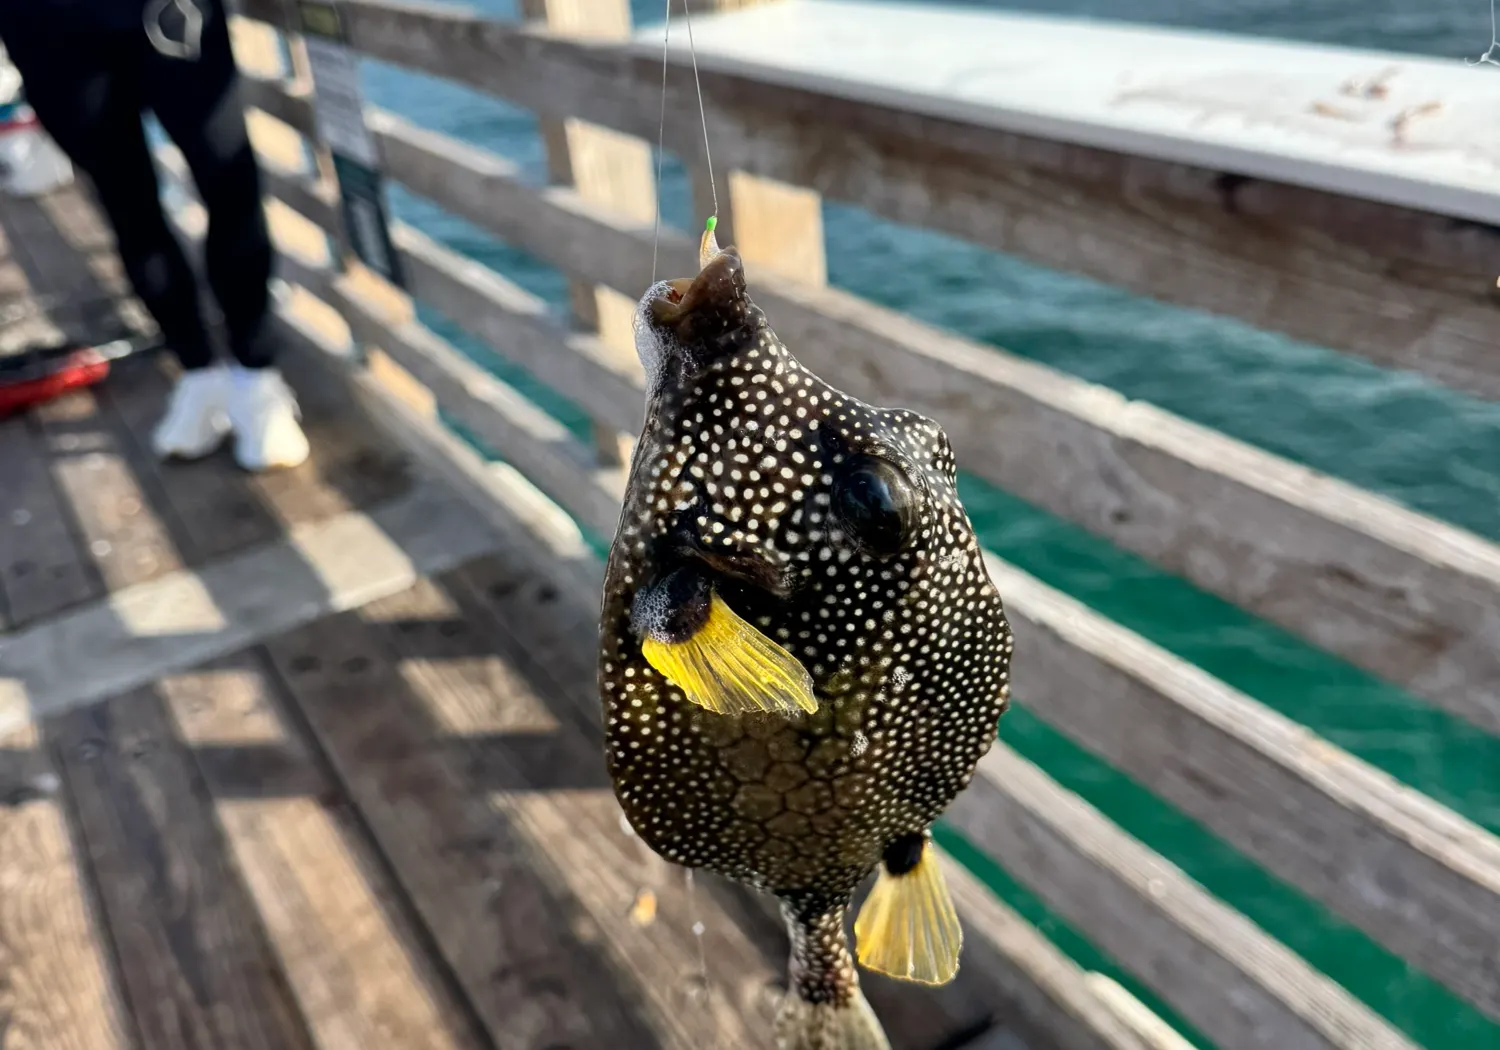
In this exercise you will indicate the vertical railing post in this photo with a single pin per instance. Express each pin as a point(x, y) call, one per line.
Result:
point(606, 168)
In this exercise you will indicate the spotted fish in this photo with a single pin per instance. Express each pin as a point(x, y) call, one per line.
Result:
point(802, 657)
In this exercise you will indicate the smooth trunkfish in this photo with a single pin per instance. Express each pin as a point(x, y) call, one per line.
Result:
point(802, 657)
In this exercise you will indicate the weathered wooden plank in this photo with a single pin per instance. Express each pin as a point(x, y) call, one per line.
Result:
point(353, 957)
point(1414, 875)
point(523, 952)
point(1398, 593)
point(194, 963)
point(120, 514)
point(1392, 283)
point(547, 627)
point(43, 567)
point(777, 228)
point(1220, 971)
point(1152, 1030)
point(349, 469)
point(533, 440)
point(1410, 873)
point(415, 157)
point(994, 1039)
point(57, 990)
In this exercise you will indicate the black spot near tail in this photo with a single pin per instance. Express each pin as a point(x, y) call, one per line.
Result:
point(903, 854)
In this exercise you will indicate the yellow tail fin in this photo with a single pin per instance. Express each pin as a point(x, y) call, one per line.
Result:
point(731, 668)
point(908, 927)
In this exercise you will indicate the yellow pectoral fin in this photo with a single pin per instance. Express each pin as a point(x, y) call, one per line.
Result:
point(730, 668)
point(908, 927)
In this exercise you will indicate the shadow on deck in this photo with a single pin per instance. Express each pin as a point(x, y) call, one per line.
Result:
point(310, 759)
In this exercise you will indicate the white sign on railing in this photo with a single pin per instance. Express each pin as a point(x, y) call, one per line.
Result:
point(338, 105)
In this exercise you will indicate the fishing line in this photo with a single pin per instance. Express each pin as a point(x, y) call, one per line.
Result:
point(661, 136)
point(704, 983)
point(661, 131)
point(1488, 56)
point(713, 186)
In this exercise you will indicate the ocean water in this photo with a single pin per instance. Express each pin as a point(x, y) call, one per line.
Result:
point(1394, 433)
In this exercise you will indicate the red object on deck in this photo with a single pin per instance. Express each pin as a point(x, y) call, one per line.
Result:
point(82, 367)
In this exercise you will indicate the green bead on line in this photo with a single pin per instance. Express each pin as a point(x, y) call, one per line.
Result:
point(708, 244)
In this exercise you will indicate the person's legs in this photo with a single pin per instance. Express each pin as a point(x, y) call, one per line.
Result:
point(198, 103)
point(85, 86)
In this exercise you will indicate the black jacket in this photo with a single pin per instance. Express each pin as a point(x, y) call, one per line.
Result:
point(83, 14)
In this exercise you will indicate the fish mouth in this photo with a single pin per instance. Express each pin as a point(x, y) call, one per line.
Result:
point(719, 284)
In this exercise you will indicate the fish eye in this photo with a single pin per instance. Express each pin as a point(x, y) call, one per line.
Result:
point(878, 503)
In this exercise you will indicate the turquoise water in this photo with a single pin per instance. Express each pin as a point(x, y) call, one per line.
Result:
point(1393, 433)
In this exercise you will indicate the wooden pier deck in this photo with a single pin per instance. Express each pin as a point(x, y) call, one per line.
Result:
point(312, 759)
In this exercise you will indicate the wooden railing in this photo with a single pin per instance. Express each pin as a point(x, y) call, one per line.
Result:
point(1403, 595)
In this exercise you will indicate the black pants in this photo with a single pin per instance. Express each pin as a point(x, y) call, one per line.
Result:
point(89, 86)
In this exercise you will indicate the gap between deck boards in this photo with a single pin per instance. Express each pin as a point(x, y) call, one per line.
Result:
point(177, 621)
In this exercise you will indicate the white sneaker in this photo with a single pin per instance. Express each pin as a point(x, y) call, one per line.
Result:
point(197, 417)
point(264, 414)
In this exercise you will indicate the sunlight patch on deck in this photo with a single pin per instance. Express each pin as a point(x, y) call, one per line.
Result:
point(176, 604)
point(184, 618)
